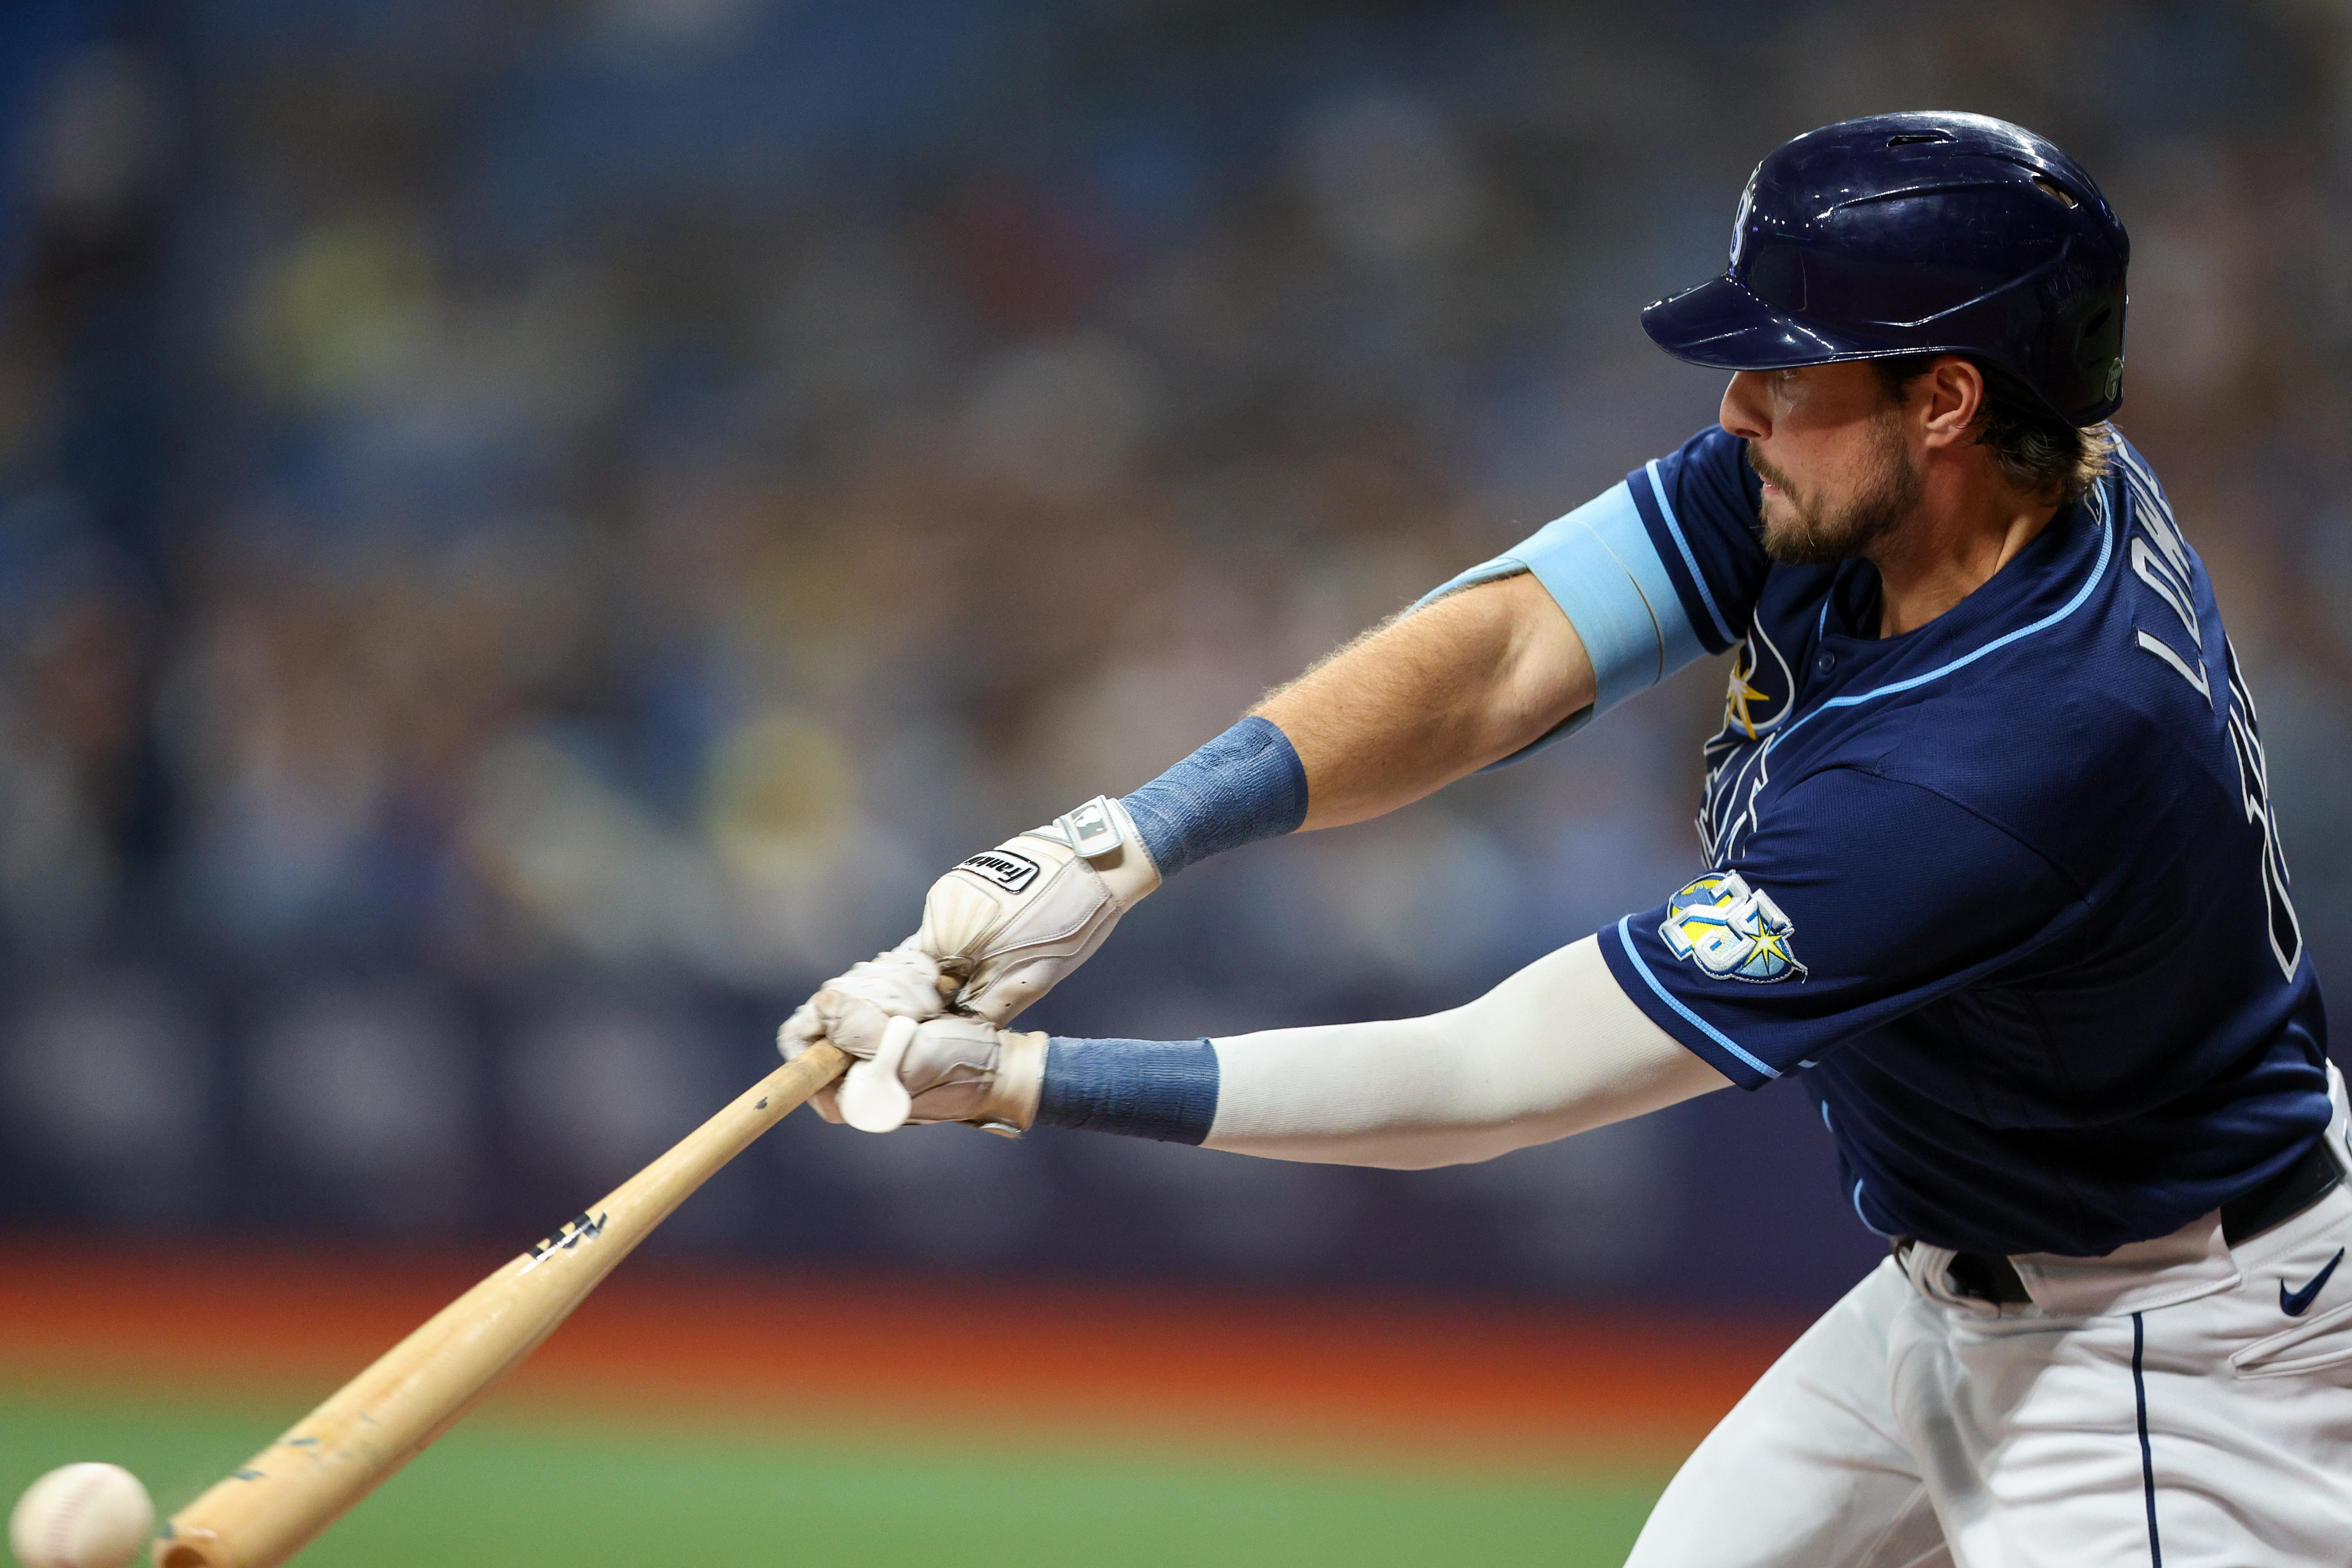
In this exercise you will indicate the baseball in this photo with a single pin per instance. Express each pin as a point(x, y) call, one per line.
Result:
point(81, 1516)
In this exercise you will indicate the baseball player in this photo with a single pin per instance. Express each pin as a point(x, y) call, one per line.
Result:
point(1992, 870)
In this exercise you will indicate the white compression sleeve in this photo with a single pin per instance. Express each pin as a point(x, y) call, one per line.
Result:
point(1555, 1049)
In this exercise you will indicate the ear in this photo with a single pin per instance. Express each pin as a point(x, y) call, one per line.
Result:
point(1948, 400)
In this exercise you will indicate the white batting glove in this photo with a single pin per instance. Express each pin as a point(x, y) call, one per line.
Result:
point(949, 1069)
point(901, 982)
point(1012, 922)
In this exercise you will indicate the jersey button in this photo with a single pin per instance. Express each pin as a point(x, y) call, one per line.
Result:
point(1824, 661)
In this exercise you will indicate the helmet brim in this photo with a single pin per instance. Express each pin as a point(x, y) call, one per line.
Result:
point(1721, 323)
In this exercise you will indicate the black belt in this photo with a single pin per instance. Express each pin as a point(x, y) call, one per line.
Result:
point(1989, 1277)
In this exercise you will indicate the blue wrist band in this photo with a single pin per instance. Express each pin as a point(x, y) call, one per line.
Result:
point(1247, 785)
point(1165, 1089)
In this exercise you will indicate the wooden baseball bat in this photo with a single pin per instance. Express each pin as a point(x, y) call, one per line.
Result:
point(287, 1493)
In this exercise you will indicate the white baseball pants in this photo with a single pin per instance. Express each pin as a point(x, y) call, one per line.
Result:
point(2156, 1408)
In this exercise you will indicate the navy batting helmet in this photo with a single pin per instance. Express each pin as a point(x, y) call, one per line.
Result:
point(1924, 233)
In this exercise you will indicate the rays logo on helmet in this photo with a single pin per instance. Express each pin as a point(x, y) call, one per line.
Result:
point(1740, 218)
point(1731, 930)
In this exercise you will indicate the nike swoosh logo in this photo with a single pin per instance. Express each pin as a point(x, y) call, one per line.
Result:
point(2294, 1302)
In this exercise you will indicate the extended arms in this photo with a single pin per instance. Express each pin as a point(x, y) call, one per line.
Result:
point(1432, 695)
point(1554, 1050)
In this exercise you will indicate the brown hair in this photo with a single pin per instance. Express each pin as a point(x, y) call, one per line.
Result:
point(2037, 451)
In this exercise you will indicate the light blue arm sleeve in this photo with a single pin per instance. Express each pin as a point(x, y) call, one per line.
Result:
point(1600, 567)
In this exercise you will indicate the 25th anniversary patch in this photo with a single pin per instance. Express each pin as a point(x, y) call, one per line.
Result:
point(1731, 930)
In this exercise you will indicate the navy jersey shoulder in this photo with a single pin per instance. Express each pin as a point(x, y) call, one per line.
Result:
point(2005, 889)
point(1716, 563)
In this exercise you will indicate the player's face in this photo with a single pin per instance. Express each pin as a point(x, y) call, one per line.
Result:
point(1829, 444)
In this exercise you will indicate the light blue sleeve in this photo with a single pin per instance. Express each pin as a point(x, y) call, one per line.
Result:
point(1599, 566)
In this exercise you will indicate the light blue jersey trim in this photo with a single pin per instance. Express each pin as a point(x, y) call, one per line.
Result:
point(1599, 565)
point(1690, 561)
point(1863, 1217)
point(1625, 938)
point(1853, 1197)
point(2106, 549)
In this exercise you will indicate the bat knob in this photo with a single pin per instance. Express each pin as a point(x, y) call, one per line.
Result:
point(871, 1097)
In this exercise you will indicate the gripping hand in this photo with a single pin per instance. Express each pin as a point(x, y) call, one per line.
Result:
point(900, 983)
point(948, 1068)
point(1012, 922)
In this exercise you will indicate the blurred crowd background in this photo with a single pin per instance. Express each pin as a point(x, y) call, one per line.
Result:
point(531, 530)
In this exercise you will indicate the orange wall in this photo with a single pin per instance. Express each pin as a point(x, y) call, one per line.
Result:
point(1034, 1361)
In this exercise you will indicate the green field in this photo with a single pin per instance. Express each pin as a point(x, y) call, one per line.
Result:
point(517, 1492)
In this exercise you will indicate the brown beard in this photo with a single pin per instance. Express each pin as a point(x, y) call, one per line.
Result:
point(1816, 538)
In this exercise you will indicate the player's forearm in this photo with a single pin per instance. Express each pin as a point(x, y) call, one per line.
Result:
point(1431, 697)
point(1461, 683)
point(1397, 715)
point(1554, 1050)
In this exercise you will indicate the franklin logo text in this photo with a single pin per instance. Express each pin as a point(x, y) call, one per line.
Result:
point(1009, 871)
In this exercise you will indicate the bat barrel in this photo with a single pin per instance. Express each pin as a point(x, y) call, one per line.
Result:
point(191, 1552)
point(280, 1500)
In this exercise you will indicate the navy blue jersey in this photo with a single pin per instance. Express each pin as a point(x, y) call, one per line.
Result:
point(2005, 889)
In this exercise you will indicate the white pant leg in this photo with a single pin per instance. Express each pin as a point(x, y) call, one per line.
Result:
point(1807, 1470)
point(2250, 1408)
point(1899, 1423)
point(2027, 1431)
